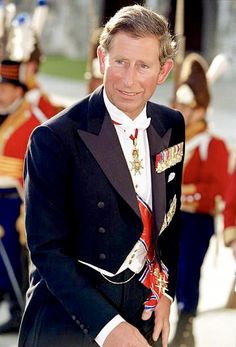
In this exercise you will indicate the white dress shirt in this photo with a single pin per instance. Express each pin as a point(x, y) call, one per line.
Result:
point(135, 261)
point(142, 182)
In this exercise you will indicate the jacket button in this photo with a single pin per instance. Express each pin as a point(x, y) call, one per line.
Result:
point(101, 230)
point(85, 331)
point(101, 204)
point(102, 256)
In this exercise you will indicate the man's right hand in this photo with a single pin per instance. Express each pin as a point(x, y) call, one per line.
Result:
point(125, 335)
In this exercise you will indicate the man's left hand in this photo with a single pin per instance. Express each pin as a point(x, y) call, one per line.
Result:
point(161, 321)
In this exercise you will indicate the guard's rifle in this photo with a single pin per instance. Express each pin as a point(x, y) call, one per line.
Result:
point(217, 68)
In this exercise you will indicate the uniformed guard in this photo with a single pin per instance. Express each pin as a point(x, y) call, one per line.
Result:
point(205, 178)
point(24, 45)
point(18, 117)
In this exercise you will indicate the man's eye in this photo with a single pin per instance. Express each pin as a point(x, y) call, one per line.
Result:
point(144, 66)
point(119, 62)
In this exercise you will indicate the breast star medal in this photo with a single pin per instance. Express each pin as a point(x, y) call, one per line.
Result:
point(161, 281)
point(136, 162)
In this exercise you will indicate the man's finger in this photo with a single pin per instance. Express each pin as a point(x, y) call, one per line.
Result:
point(156, 332)
point(165, 335)
point(146, 315)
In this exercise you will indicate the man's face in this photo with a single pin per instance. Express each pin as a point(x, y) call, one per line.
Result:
point(8, 94)
point(132, 71)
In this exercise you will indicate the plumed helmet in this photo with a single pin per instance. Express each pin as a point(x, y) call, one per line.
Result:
point(20, 37)
point(193, 89)
point(7, 13)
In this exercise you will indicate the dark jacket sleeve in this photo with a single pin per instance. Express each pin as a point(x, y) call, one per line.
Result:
point(48, 226)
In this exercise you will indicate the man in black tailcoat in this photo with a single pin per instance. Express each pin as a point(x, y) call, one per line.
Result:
point(102, 183)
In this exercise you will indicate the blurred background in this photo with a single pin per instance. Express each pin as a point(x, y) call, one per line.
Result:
point(209, 27)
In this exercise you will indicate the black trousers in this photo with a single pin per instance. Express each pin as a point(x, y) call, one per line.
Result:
point(50, 331)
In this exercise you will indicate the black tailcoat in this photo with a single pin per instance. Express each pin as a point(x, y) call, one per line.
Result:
point(81, 205)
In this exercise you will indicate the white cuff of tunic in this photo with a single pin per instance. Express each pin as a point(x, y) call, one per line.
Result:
point(101, 337)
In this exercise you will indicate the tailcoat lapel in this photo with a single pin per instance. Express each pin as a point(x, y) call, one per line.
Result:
point(101, 139)
point(158, 138)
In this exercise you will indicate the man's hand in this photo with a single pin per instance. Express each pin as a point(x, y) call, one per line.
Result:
point(188, 205)
point(161, 321)
point(125, 335)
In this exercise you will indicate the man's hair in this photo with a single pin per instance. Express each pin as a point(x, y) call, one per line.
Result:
point(139, 21)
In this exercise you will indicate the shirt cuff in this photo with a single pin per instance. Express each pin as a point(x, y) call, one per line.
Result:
point(101, 337)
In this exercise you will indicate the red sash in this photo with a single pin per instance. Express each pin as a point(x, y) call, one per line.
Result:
point(155, 275)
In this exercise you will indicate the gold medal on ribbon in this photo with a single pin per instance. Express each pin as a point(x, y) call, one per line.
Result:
point(136, 162)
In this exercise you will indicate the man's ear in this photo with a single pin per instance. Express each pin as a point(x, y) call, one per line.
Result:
point(31, 68)
point(165, 70)
point(101, 58)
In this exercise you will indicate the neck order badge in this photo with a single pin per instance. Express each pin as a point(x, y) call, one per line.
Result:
point(136, 163)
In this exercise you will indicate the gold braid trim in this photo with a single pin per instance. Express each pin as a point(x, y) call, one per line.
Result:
point(11, 167)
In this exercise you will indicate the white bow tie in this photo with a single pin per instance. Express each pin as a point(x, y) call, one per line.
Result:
point(140, 124)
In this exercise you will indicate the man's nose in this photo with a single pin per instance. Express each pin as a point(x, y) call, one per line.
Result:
point(130, 76)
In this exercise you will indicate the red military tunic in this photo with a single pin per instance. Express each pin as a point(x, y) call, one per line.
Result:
point(230, 211)
point(40, 100)
point(14, 135)
point(205, 172)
